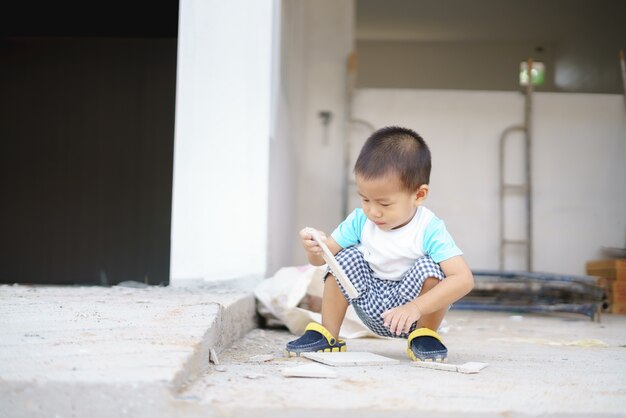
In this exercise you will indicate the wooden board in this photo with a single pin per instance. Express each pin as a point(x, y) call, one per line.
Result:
point(613, 264)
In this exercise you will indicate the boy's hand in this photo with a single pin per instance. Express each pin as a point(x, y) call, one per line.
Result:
point(309, 243)
point(400, 319)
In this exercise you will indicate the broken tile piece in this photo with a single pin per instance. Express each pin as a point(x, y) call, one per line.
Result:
point(467, 368)
point(309, 370)
point(213, 357)
point(261, 358)
point(350, 358)
point(435, 365)
point(472, 367)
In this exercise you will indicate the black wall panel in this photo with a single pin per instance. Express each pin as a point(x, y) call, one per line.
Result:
point(86, 150)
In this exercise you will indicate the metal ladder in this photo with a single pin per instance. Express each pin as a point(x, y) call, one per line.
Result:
point(525, 188)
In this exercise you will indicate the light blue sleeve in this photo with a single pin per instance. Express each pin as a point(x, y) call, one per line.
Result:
point(348, 233)
point(438, 243)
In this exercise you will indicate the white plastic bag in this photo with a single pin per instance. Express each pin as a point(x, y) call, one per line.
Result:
point(281, 294)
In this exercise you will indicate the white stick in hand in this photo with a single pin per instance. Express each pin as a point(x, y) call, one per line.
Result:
point(333, 264)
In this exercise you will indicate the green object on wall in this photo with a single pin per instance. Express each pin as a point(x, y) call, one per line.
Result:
point(538, 73)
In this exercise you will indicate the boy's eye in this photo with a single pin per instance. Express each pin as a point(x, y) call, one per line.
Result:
point(385, 204)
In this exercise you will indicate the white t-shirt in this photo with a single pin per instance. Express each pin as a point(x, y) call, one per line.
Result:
point(391, 253)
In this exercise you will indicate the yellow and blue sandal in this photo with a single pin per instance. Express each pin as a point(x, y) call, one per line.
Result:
point(316, 338)
point(426, 345)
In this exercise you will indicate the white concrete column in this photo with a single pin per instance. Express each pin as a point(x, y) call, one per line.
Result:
point(219, 203)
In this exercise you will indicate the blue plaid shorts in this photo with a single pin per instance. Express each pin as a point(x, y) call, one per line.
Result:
point(378, 295)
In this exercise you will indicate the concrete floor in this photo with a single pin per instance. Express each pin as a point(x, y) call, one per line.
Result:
point(538, 366)
point(109, 352)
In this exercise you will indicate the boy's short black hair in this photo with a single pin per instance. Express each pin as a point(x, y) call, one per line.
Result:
point(395, 150)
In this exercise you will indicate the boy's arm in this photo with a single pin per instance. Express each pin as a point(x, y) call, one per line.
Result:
point(314, 251)
point(458, 282)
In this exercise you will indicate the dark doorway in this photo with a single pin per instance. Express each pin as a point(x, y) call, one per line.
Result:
point(86, 141)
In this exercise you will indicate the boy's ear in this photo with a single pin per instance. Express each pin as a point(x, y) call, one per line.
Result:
point(422, 193)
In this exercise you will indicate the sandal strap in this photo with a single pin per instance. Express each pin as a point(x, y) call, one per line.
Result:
point(319, 328)
point(423, 332)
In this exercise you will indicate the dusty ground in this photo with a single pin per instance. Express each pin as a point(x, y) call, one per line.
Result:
point(538, 366)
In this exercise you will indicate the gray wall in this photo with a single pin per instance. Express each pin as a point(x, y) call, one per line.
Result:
point(86, 136)
point(446, 65)
point(578, 171)
point(479, 44)
point(306, 156)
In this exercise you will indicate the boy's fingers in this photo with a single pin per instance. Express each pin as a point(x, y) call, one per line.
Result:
point(394, 324)
point(388, 317)
point(401, 325)
point(312, 246)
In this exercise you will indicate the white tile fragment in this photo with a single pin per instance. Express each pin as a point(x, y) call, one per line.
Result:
point(472, 367)
point(261, 358)
point(467, 368)
point(435, 365)
point(350, 358)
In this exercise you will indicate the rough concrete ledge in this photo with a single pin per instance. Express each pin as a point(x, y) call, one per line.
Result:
point(233, 320)
point(102, 352)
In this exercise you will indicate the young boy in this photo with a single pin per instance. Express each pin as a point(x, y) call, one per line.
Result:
point(395, 252)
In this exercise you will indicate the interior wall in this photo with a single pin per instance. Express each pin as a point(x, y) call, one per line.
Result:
point(316, 39)
point(469, 65)
point(574, 66)
point(86, 128)
point(306, 154)
point(479, 45)
point(320, 55)
point(222, 137)
point(578, 168)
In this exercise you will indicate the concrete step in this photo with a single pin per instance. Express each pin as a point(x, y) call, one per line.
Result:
point(95, 351)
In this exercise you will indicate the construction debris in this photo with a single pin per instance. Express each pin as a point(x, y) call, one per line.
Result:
point(467, 368)
point(350, 358)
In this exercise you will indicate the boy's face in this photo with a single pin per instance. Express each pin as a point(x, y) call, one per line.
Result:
point(387, 203)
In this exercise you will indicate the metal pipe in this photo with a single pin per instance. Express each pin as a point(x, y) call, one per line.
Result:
point(622, 63)
point(528, 125)
point(347, 149)
point(351, 68)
